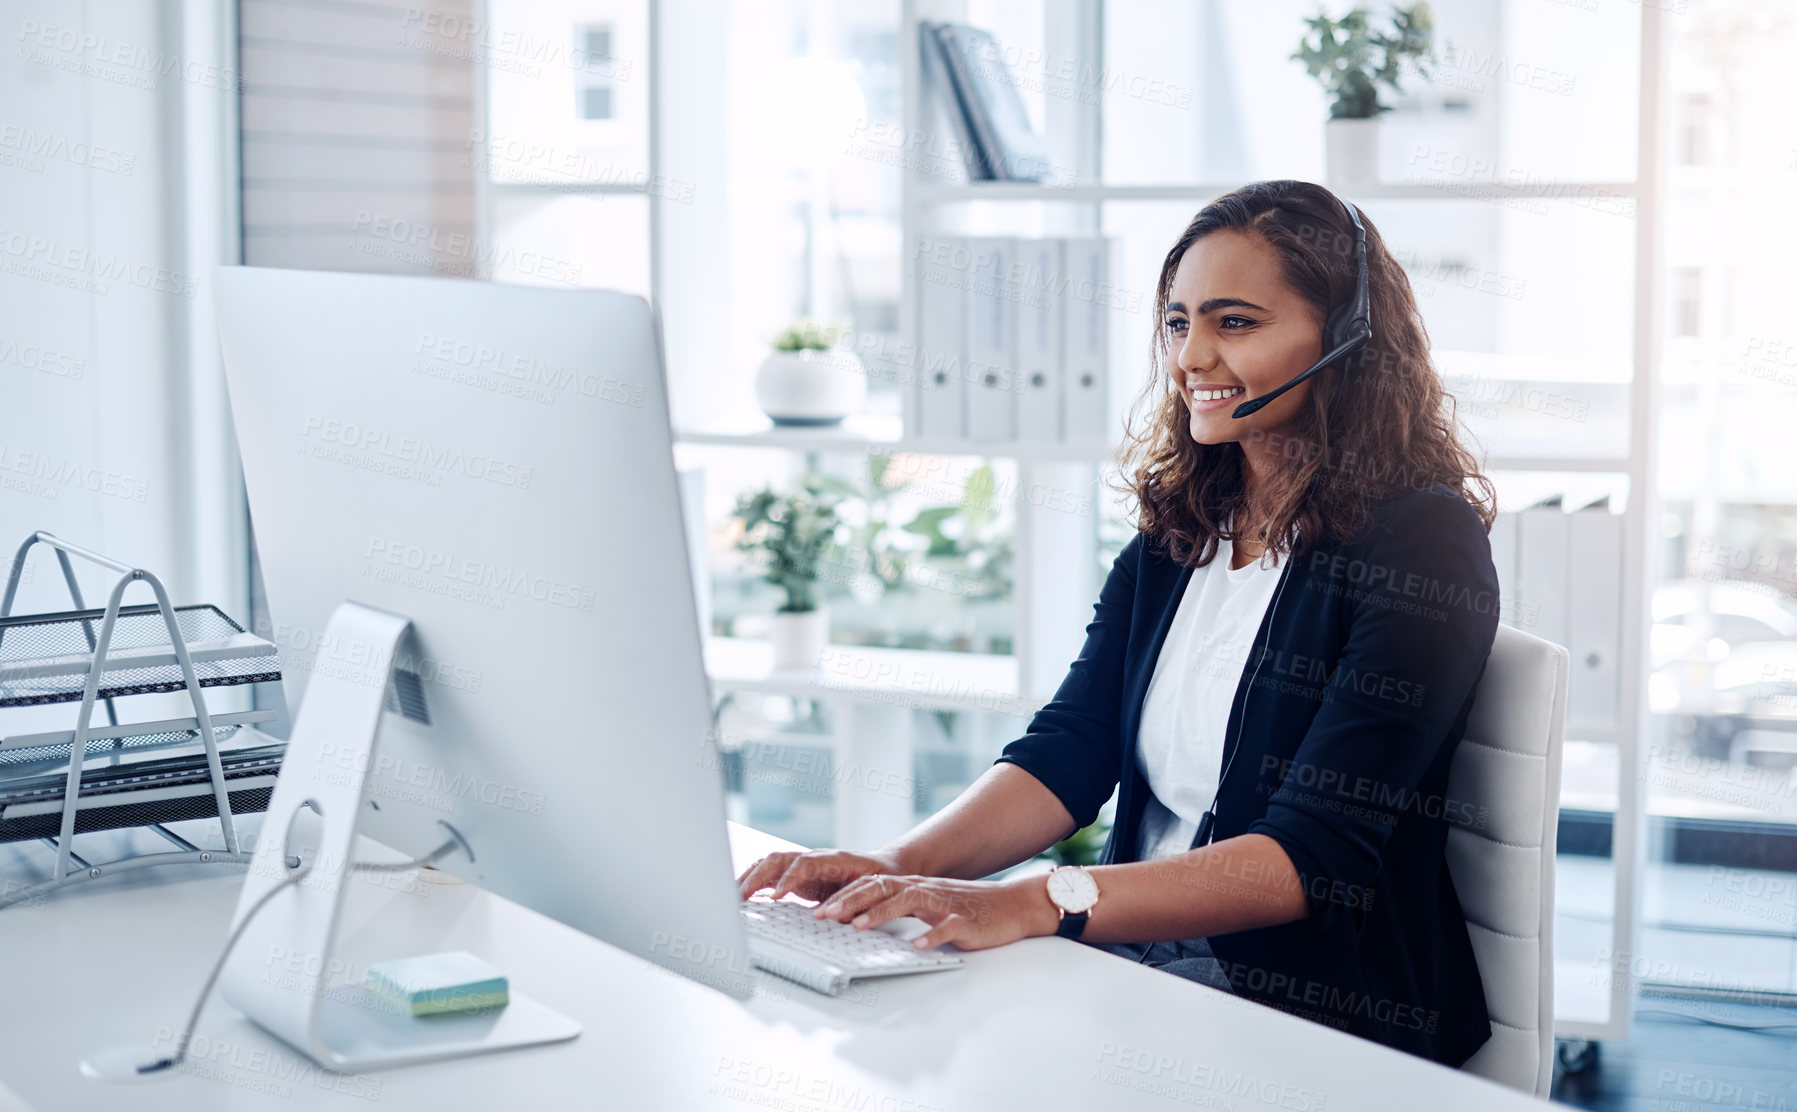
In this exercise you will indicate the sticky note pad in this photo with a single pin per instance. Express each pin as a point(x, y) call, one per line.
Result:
point(437, 984)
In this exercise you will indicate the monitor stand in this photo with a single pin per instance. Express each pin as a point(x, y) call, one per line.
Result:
point(326, 767)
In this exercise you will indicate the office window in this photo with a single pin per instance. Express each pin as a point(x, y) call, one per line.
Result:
point(594, 65)
point(1721, 764)
point(595, 102)
point(1687, 301)
point(1693, 125)
point(566, 144)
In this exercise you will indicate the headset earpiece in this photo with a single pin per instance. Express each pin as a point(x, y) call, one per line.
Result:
point(1347, 329)
point(1336, 328)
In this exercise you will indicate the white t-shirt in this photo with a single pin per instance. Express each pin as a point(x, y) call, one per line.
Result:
point(1185, 715)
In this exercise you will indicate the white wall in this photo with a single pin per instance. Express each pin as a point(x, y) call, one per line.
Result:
point(114, 204)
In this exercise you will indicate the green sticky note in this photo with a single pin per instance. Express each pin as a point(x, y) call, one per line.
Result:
point(439, 984)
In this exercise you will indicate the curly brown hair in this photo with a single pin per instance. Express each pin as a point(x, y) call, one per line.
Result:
point(1393, 429)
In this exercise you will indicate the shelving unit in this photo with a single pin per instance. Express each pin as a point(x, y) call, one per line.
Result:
point(1054, 594)
point(940, 193)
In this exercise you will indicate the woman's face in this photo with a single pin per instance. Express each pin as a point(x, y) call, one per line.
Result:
point(1236, 331)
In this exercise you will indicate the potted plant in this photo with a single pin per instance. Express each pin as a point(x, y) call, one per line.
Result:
point(807, 380)
point(1352, 60)
point(793, 532)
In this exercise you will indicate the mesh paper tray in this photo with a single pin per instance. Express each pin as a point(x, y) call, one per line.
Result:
point(164, 789)
point(40, 654)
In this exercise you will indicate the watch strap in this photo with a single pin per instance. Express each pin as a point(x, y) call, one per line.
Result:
point(1073, 924)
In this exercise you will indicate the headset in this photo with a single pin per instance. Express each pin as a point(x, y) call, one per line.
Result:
point(1347, 330)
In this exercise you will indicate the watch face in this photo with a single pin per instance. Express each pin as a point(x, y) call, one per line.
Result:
point(1072, 889)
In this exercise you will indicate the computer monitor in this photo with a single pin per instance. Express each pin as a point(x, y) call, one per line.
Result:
point(495, 463)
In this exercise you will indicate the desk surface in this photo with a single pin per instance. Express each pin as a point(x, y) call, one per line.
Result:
point(1044, 1023)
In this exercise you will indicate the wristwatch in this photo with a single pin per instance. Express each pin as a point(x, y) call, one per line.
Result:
point(1073, 892)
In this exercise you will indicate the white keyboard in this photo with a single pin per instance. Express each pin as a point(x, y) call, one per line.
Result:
point(787, 941)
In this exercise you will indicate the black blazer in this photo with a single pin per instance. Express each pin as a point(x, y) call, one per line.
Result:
point(1351, 704)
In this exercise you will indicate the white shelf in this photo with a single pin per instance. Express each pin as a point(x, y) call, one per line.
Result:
point(913, 678)
point(938, 193)
point(1604, 465)
point(860, 433)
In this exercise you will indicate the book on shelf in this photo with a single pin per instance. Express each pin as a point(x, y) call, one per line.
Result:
point(1012, 339)
point(1594, 613)
point(991, 341)
point(943, 91)
point(1541, 567)
point(967, 70)
point(937, 375)
point(1085, 379)
point(1039, 319)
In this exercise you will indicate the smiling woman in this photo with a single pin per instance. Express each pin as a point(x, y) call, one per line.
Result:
point(1300, 607)
point(1243, 298)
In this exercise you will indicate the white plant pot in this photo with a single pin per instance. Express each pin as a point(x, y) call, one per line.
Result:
point(799, 638)
point(810, 387)
point(1351, 151)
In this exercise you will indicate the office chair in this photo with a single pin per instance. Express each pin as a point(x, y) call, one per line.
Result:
point(1505, 784)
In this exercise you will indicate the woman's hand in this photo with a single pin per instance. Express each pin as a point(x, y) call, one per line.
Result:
point(813, 874)
point(973, 914)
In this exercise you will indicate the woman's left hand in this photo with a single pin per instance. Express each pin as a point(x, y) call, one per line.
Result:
point(973, 914)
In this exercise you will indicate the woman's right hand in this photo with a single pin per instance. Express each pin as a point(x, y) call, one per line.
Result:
point(814, 874)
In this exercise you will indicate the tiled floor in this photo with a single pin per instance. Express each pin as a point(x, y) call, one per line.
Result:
point(1721, 929)
point(1717, 928)
point(1675, 1064)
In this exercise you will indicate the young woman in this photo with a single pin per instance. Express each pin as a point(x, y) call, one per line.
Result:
point(1277, 673)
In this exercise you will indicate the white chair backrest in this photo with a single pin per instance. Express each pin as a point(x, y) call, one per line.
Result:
point(1504, 788)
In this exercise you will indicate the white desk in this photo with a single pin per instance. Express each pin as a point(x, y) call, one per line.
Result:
point(1043, 1024)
